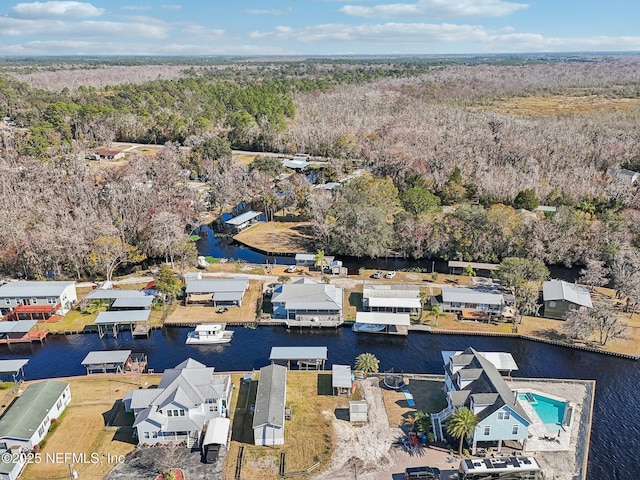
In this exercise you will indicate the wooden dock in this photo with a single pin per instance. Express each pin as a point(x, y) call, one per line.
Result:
point(141, 331)
point(29, 337)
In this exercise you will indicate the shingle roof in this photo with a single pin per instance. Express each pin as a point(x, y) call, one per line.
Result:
point(561, 290)
point(271, 396)
point(27, 413)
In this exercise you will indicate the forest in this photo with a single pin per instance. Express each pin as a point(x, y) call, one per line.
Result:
point(437, 157)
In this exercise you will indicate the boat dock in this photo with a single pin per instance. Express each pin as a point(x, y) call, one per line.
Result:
point(141, 331)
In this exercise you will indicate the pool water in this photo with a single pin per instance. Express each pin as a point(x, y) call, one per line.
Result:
point(550, 411)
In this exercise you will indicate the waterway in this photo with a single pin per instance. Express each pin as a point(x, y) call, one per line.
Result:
point(615, 436)
point(225, 247)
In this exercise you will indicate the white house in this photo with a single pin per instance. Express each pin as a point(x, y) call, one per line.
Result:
point(473, 380)
point(391, 298)
point(219, 291)
point(303, 298)
point(187, 397)
point(268, 416)
point(36, 299)
point(27, 420)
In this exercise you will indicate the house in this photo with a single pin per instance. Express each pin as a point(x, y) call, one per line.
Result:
point(306, 299)
point(27, 420)
point(223, 291)
point(28, 300)
point(460, 299)
point(623, 175)
point(309, 260)
point(269, 412)
point(391, 298)
point(186, 398)
point(560, 297)
point(473, 380)
point(108, 154)
point(26, 423)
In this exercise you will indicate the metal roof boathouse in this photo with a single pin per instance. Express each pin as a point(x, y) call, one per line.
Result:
point(307, 357)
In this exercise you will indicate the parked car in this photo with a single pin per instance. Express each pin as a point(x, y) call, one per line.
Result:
point(390, 274)
point(291, 269)
point(411, 473)
point(378, 274)
point(210, 453)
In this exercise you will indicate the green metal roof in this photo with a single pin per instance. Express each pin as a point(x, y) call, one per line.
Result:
point(28, 411)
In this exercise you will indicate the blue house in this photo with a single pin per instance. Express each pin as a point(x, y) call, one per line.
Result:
point(473, 380)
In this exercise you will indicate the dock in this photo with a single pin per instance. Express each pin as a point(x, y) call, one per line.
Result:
point(141, 331)
point(21, 331)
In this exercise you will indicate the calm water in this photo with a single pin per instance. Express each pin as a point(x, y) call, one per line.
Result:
point(615, 434)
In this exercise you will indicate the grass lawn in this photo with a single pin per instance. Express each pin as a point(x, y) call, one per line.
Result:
point(308, 436)
point(427, 394)
point(82, 430)
point(561, 105)
point(244, 158)
point(278, 237)
point(251, 305)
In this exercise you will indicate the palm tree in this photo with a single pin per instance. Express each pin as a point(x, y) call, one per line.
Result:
point(421, 421)
point(461, 424)
point(367, 363)
point(436, 310)
point(319, 260)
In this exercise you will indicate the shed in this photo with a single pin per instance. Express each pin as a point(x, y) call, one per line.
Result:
point(243, 220)
point(560, 297)
point(341, 379)
point(14, 367)
point(358, 411)
point(268, 417)
point(116, 320)
point(305, 356)
point(105, 361)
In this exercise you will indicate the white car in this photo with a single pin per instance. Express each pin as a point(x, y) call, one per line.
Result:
point(390, 274)
point(291, 269)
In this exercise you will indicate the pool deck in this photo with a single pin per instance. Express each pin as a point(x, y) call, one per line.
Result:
point(567, 454)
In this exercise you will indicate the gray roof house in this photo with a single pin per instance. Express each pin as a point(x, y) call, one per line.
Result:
point(269, 412)
point(187, 397)
point(26, 423)
point(473, 381)
point(624, 175)
point(560, 297)
point(220, 291)
point(304, 300)
point(459, 299)
point(36, 297)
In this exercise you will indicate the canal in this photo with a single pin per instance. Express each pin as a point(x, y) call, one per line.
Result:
point(615, 434)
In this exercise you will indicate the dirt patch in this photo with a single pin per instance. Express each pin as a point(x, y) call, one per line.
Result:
point(281, 237)
point(562, 105)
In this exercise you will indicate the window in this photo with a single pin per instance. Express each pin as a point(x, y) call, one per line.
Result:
point(34, 301)
point(169, 413)
point(59, 404)
point(175, 413)
point(7, 301)
point(41, 430)
point(51, 300)
point(146, 434)
point(155, 435)
point(182, 413)
point(514, 430)
point(504, 415)
point(552, 303)
point(487, 430)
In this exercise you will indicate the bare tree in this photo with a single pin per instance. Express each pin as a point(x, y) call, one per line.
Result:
point(594, 274)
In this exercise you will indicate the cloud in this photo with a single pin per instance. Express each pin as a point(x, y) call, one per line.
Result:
point(37, 10)
point(137, 7)
point(272, 11)
point(436, 9)
point(85, 29)
point(204, 32)
point(172, 7)
point(427, 37)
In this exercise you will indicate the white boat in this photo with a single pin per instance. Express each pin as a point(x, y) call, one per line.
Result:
point(209, 334)
point(368, 327)
point(202, 262)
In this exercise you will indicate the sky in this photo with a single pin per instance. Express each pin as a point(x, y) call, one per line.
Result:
point(317, 27)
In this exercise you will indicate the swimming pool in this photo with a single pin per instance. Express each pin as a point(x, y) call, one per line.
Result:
point(550, 411)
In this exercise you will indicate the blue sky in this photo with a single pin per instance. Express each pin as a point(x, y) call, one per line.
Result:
point(316, 27)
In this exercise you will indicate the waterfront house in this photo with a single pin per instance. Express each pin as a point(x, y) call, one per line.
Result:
point(187, 397)
point(269, 410)
point(306, 300)
point(391, 298)
point(219, 292)
point(27, 300)
point(459, 300)
point(560, 297)
point(309, 260)
point(473, 380)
